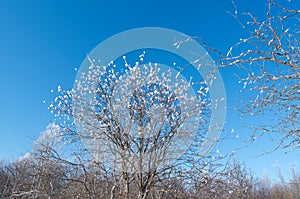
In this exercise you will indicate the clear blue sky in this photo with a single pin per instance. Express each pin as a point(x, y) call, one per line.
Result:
point(41, 42)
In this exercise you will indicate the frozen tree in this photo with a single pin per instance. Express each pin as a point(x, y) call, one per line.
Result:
point(138, 123)
point(271, 79)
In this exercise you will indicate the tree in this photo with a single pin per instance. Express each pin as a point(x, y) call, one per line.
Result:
point(139, 124)
point(5, 181)
point(270, 57)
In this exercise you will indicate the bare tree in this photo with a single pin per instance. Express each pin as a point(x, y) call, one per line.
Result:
point(5, 181)
point(137, 124)
point(271, 79)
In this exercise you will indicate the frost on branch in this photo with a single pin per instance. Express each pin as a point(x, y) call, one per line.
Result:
point(143, 108)
point(50, 137)
point(137, 120)
point(270, 79)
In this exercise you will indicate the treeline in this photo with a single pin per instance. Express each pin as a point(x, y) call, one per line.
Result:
point(35, 177)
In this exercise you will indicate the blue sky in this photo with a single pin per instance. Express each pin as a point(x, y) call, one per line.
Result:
point(41, 42)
